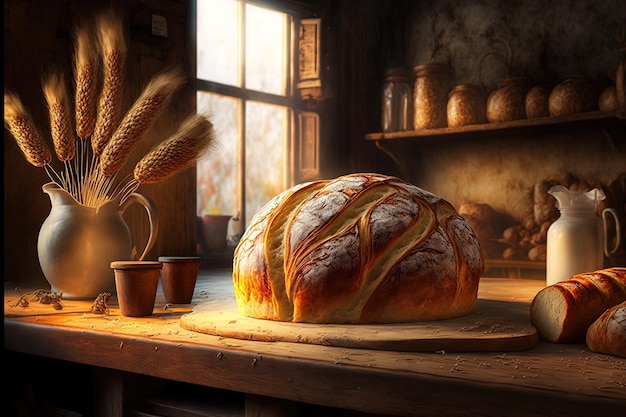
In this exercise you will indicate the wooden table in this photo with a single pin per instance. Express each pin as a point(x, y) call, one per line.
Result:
point(549, 379)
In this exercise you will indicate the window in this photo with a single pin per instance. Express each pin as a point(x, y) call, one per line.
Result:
point(245, 84)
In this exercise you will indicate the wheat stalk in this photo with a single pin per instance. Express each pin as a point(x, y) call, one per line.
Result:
point(91, 169)
point(84, 181)
point(60, 121)
point(194, 139)
point(113, 46)
point(85, 71)
point(21, 126)
point(139, 119)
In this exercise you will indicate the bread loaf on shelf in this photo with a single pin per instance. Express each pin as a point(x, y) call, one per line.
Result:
point(563, 312)
point(362, 248)
point(608, 333)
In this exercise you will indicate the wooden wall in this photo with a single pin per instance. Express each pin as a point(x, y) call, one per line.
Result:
point(361, 39)
point(38, 36)
point(486, 41)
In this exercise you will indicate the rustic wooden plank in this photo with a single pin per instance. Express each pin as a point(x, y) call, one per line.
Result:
point(494, 326)
point(109, 384)
point(183, 400)
point(497, 325)
point(355, 379)
point(259, 406)
point(549, 378)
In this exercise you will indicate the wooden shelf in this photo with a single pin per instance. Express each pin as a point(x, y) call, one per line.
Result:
point(607, 120)
point(397, 145)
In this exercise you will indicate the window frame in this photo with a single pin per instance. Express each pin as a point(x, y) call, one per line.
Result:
point(291, 101)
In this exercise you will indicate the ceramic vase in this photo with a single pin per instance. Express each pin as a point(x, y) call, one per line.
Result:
point(77, 244)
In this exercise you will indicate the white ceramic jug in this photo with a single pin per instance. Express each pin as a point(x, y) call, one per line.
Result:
point(577, 240)
point(77, 244)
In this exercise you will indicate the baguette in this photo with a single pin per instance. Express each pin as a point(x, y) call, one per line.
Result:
point(563, 312)
point(608, 333)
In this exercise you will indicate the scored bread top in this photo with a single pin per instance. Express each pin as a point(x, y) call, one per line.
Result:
point(359, 248)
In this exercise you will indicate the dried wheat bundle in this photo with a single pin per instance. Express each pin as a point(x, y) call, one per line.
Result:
point(139, 119)
point(91, 168)
point(60, 120)
point(20, 124)
point(193, 140)
point(113, 47)
point(85, 76)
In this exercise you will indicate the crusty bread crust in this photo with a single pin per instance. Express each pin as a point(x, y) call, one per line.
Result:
point(362, 248)
point(563, 312)
point(608, 333)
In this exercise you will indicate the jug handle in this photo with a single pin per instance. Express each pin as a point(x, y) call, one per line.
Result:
point(618, 228)
point(153, 218)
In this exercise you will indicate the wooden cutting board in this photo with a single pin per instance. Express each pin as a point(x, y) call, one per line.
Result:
point(496, 325)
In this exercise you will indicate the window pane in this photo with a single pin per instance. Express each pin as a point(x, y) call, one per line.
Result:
point(217, 173)
point(265, 137)
point(265, 51)
point(217, 41)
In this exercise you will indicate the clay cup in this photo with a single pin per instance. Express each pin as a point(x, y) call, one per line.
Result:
point(136, 283)
point(178, 278)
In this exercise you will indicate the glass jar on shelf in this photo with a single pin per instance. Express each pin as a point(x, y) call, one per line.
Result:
point(466, 105)
point(575, 94)
point(396, 100)
point(430, 96)
point(508, 101)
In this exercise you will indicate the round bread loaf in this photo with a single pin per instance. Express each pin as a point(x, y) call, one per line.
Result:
point(362, 248)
